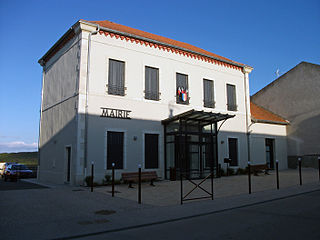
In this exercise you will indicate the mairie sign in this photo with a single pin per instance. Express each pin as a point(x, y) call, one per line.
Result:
point(115, 113)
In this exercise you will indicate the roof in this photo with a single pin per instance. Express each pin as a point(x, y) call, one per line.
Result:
point(201, 117)
point(122, 32)
point(260, 114)
point(282, 77)
point(129, 30)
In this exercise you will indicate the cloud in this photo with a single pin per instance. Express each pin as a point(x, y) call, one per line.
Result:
point(18, 146)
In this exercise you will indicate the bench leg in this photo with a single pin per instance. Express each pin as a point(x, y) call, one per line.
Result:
point(151, 183)
point(266, 172)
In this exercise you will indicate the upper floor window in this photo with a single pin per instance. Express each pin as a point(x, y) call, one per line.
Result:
point(231, 97)
point(116, 77)
point(152, 83)
point(208, 93)
point(182, 89)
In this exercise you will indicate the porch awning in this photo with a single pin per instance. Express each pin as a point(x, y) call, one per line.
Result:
point(198, 117)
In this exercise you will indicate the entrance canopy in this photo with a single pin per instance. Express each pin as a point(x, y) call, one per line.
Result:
point(198, 117)
point(190, 143)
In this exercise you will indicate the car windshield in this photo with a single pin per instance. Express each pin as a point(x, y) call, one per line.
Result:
point(19, 167)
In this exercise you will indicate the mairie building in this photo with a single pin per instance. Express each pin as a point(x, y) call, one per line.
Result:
point(112, 94)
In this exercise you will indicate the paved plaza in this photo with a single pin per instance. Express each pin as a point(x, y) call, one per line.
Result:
point(166, 193)
point(66, 212)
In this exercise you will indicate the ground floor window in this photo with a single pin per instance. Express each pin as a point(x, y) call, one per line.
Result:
point(233, 151)
point(115, 149)
point(151, 150)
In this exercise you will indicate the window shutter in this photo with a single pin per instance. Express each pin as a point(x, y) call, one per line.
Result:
point(151, 150)
point(115, 149)
point(231, 97)
point(152, 83)
point(208, 93)
point(116, 77)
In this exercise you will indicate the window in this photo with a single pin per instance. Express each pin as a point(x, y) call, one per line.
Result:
point(233, 151)
point(151, 151)
point(182, 89)
point(208, 93)
point(152, 83)
point(231, 97)
point(115, 149)
point(116, 77)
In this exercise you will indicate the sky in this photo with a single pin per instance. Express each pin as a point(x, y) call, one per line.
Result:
point(267, 35)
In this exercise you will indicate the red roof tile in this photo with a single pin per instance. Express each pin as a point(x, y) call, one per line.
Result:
point(136, 32)
point(260, 113)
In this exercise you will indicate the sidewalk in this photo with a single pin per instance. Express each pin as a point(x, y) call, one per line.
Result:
point(73, 212)
point(159, 215)
point(166, 193)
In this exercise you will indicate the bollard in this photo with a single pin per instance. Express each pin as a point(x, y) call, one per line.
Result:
point(181, 188)
point(249, 176)
point(277, 171)
point(211, 183)
point(300, 176)
point(112, 179)
point(139, 188)
point(92, 176)
point(319, 166)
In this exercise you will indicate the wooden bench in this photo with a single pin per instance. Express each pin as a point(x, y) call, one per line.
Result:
point(260, 168)
point(134, 177)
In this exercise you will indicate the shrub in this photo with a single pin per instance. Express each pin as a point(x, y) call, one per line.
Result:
point(222, 173)
point(231, 171)
point(106, 180)
point(242, 171)
point(88, 180)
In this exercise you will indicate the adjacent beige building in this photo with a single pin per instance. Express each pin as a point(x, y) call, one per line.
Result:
point(295, 96)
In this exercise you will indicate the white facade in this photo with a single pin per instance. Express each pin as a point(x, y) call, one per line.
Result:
point(73, 97)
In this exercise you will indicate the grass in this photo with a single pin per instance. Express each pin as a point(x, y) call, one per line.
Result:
point(27, 158)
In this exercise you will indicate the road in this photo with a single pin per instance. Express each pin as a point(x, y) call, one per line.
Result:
point(17, 185)
point(296, 217)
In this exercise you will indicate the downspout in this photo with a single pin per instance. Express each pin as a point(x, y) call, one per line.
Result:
point(87, 93)
point(247, 71)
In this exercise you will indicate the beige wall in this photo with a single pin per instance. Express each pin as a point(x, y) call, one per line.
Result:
point(295, 96)
point(259, 132)
point(58, 113)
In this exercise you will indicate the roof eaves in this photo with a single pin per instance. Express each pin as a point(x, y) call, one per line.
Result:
point(64, 36)
point(269, 121)
point(164, 44)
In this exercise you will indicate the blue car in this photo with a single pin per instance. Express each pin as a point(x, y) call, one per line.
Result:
point(15, 171)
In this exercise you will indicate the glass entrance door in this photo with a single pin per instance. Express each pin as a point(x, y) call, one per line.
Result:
point(194, 155)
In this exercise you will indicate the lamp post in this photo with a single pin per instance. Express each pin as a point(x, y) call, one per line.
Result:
point(277, 173)
point(112, 179)
point(92, 171)
point(139, 188)
point(300, 177)
point(319, 166)
point(249, 176)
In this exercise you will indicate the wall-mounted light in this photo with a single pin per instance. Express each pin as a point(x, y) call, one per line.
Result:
point(135, 138)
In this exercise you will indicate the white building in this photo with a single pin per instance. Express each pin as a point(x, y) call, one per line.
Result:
point(114, 94)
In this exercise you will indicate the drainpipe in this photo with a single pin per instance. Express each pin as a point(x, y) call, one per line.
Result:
point(246, 71)
point(87, 93)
